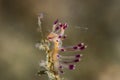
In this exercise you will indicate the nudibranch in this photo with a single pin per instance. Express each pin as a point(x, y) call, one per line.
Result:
point(55, 63)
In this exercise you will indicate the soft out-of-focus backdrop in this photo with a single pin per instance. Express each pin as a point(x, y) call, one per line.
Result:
point(19, 59)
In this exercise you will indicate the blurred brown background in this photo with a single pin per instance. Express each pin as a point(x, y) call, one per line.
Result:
point(19, 59)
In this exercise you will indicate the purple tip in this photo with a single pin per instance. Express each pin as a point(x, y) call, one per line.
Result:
point(81, 44)
point(77, 60)
point(56, 28)
point(75, 47)
point(62, 49)
point(71, 67)
point(56, 21)
point(61, 72)
point(78, 56)
point(59, 36)
point(60, 67)
point(65, 26)
point(82, 48)
point(60, 25)
point(58, 55)
point(64, 36)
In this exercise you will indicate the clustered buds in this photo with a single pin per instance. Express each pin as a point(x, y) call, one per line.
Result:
point(55, 62)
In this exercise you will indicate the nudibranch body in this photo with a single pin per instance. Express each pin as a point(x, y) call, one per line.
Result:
point(55, 63)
